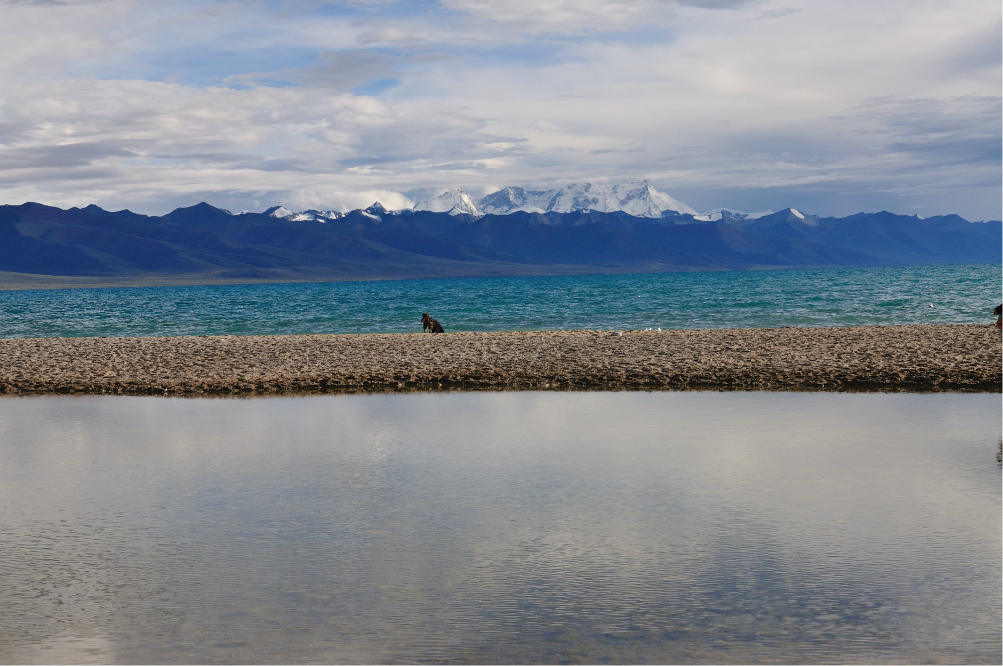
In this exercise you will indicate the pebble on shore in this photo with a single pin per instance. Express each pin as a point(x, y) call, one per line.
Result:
point(876, 358)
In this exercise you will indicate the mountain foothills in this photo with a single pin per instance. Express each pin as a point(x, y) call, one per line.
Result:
point(580, 228)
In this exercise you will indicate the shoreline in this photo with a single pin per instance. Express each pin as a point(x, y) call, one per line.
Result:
point(925, 358)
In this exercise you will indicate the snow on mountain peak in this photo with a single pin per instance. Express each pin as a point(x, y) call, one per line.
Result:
point(643, 200)
point(640, 199)
point(453, 202)
point(512, 199)
point(279, 211)
point(579, 196)
point(720, 213)
point(311, 215)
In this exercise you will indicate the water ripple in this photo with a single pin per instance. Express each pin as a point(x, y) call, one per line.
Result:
point(746, 299)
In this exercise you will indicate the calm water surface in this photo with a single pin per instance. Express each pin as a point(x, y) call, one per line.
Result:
point(723, 299)
point(502, 527)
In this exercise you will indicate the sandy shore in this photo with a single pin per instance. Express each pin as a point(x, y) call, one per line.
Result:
point(884, 358)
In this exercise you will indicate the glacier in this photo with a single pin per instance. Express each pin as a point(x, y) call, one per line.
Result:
point(453, 202)
point(640, 199)
point(636, 198)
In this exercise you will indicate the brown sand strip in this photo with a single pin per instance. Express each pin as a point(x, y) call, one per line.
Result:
point(884, 358)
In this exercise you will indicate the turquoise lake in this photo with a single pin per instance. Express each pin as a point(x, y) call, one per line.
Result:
point(745, 299)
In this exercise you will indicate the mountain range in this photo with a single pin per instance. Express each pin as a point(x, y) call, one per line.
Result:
point(511, 232)
point(639, 199)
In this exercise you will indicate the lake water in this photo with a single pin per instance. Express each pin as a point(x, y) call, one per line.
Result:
point(502, 527)
point(746, 299)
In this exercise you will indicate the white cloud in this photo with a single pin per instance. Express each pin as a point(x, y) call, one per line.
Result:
point(560, 16)
point(851, 105)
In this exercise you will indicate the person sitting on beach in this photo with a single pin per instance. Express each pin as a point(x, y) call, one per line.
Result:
point(999, 317)
point(429, 323)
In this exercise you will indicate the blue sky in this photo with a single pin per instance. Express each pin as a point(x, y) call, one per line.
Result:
point(832, 108)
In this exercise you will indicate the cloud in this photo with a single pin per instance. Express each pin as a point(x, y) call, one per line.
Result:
point(559, 16)
point(951, 139)
point(779, 12)
point(309, 103)
point(716, 4)
point(57, 3)
point(334, 70)
point(61, 156)
point(387, 34)
point(975, 52)
point(567, 17)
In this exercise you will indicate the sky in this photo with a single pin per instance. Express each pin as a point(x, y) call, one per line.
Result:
point(829, 107)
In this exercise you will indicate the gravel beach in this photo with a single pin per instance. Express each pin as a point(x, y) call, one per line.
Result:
point(876, 358)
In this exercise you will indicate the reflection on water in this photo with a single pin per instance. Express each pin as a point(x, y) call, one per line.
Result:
point(501, 527)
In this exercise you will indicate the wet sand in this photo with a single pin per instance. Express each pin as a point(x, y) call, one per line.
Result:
point(877, 358)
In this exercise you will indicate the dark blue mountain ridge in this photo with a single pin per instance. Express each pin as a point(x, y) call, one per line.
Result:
point(202, 241)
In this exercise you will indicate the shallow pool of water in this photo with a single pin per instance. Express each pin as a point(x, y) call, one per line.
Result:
point(502, 527)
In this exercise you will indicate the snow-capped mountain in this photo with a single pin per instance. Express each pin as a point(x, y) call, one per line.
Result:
point(374, 243)
point(279, 211)
point(512, 199)
point(305, 216)
point(640, 199)
point(581, 196)
point(453, 202)
point(643, 200)
point(717, 214)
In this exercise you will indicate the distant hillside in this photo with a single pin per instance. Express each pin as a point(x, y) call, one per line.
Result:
point(203, 241)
